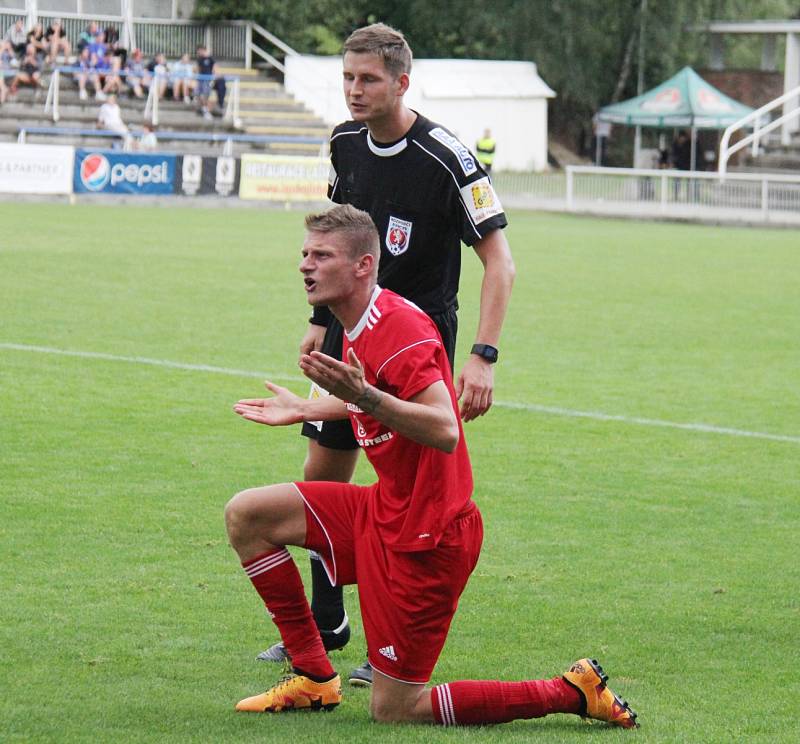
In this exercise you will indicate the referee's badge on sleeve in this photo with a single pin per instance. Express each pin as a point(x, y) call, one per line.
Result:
point(398, 235)
point(481, 200)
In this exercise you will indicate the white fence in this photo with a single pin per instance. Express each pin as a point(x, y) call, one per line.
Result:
point(629, 192)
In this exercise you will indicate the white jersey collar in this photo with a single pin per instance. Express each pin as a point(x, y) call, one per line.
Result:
point(386, 152)
point(355, 331)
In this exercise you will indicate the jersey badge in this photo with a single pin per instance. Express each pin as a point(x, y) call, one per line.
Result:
point(481, 200)
point(398, 235)
point(464, 156)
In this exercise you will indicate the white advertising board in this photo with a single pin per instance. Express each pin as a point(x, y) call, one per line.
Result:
point(36, 169)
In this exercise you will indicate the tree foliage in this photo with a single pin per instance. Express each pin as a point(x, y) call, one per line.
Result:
point(586, 50)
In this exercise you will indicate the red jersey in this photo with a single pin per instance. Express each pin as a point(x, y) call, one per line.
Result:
point(420, 489)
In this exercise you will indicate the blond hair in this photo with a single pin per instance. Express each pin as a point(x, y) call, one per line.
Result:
point(357, 227)
point(388, 43)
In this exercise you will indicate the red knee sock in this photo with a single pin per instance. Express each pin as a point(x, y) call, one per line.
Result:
point(278, 583)
point(475, 703)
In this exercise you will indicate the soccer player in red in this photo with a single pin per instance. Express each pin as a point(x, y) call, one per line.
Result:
point(409, 541)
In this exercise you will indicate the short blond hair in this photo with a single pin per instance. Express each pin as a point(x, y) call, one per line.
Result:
point(357, 227)
point(388, 43)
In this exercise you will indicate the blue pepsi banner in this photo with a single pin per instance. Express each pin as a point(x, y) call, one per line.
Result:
point(112, 172)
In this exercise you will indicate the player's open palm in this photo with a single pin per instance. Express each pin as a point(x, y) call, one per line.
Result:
point(344, 380)
point(281, 410)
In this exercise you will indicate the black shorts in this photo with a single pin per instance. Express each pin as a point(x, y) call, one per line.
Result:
point(339, 434)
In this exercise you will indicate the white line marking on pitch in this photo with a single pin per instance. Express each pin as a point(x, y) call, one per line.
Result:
point(552, 410)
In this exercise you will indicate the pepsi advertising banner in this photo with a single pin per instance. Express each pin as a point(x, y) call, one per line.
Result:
point(112, 172)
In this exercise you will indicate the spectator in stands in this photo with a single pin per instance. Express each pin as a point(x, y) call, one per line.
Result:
point(137, 76)
point(57, 41)
point(157, 67)
point(102, 69)
point(29, 72)
point(17, 37)
point(98, 47)
point(88, 36)
point(110, 117)
point(207, 67)
point(36, 39)
point(182, 79)
point(112, 73)
point(5, 69)
point(8, 59)
point(148, 141)
point(87, 73)
point(113, 42)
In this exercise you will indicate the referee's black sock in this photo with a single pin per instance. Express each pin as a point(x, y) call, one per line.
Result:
point(327, 601)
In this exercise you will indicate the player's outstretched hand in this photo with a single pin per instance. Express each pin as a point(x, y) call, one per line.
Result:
point(474, 388)
point(281, 410)
point(344, 380)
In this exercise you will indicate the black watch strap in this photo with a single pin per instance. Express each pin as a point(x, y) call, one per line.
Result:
point(489, 353)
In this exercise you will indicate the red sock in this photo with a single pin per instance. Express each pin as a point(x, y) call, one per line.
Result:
point(475, 703)
point(278, 583)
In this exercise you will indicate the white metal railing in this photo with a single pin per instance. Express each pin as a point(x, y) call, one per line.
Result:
point(754, 119)
point(253, 48)
point(757, 196)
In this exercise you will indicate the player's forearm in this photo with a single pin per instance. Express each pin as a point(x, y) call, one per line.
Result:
point(498, 280)
point(325, 408)
point(432, 424)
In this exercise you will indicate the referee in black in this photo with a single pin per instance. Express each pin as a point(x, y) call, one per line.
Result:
point(426, 193)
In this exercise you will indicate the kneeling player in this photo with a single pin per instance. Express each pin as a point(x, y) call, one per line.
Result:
point(411, 540)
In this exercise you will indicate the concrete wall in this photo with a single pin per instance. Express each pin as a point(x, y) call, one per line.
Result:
point(466, 96)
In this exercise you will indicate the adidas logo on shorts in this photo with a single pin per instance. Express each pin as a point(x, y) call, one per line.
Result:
point(388, 652)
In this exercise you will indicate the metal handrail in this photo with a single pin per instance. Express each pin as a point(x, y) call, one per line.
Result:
point(726, 150)
point(252, 48)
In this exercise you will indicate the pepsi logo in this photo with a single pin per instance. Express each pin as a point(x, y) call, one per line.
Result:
point(95, 171)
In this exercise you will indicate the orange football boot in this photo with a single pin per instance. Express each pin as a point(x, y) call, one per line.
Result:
point(599, 702)
point(295, 692)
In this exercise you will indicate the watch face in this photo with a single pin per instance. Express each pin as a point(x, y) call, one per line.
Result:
point(489, 353)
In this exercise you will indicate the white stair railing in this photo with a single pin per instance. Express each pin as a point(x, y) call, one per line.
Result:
point(253, 48)
point(51, 102)
point(754, 120)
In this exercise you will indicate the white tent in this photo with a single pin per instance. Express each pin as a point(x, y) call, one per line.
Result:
point(466, 96)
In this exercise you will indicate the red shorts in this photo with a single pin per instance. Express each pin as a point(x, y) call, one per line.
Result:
point(407, 599)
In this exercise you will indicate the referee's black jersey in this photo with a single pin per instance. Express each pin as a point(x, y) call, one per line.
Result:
point(426, 193)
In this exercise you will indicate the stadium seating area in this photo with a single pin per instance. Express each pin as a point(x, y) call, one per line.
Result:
point(267, 118)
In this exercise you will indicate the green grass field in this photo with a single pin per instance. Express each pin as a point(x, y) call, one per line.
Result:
point(669, 553)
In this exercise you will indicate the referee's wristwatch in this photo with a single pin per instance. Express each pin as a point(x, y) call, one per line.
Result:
point(486, 352)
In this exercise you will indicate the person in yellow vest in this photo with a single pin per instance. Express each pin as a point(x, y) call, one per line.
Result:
point(484, 149)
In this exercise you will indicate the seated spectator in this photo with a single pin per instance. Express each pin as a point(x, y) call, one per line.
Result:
point(113, 42)
point(110, 117)
point(99, 47)
point(102, 68)
point(5, 69)
point(87, 72)
point(148, 141)
point(110, 70)
point(157, 67)
point(7, 57)
point(29, 72)
point(57, 41)
point(207, 69)
point(136, 75)
point(36, 39)
point(88, 36)
point(182, 79)
point(17, 37)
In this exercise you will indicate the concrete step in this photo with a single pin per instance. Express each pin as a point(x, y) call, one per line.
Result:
point(321, 131)
point(298, 116)
point(261, 85)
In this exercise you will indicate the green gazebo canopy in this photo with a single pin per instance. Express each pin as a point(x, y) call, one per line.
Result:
point(685, 100)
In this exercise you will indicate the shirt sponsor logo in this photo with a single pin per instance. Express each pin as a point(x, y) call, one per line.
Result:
point(385, 437)
point(464, 156)
point(398, 235)
point(481, 200)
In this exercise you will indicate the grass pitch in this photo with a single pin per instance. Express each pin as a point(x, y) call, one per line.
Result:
point(669, 553)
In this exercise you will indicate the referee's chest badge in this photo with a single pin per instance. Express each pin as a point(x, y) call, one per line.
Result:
point(398, 235)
